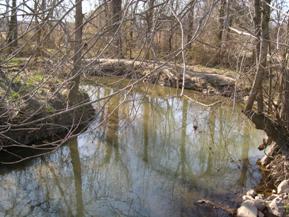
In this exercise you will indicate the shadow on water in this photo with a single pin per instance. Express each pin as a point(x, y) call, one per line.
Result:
point(153, 155)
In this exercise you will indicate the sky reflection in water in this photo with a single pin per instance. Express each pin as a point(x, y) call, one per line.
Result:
point(146, 159)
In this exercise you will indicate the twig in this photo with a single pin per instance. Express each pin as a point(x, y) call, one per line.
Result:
point(206, 105)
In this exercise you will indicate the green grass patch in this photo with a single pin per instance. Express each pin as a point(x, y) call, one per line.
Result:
point(50, 109)
point(14, 62)
point(14, 95)
point(35, 78)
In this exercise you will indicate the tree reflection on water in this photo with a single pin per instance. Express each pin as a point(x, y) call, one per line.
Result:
point(146, 159)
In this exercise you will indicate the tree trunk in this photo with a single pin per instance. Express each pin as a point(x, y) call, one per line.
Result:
point(257, 23)
point(38, 29)
point(77, 54)
point(222, 29)
point(116, 13)
point(285, 84)
point(191, 18)
point(150, 20)
point(170, 41)
point(285, 97)
point(7, 9)
point(261, 67)
point(13, 28)
point(131, 41)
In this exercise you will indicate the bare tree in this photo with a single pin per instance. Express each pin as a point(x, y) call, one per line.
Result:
point(285, 83)
point(149, 33)
point(257, 23)
point(13, 27)
point(116, 13)
point(223, 28)
point(78, 47)
point(257, 85)
point(191, 19)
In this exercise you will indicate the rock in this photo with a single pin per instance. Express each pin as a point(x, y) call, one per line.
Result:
point(247, 209)
point(286, 163)
point(260, 196)
point(245, 98)
point(247, 197)
point(259, 203)
point(251, 193)
point(271, 151)
point(283, 187)
point(271, 197)
point(268, 166)
point(273, 191)
point(276, 207)
point(260, 214)
point(265, 160)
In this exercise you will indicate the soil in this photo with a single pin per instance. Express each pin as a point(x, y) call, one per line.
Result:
point(166, 74)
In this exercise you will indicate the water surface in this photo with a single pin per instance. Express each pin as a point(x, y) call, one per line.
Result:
point(145, 154)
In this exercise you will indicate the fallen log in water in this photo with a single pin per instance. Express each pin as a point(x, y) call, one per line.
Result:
point(165, 74)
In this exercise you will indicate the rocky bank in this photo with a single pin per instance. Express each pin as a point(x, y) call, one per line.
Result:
point(271, 198)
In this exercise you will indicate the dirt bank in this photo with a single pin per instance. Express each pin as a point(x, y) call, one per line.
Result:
point(36, 122)
point(165, 74)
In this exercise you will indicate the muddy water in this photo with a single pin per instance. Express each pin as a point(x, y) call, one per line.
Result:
point(145, 154)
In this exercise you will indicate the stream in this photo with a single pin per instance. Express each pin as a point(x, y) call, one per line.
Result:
point(146, 154)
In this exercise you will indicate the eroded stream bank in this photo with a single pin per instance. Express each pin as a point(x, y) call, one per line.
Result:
point(167, 74)
point(155, 155)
